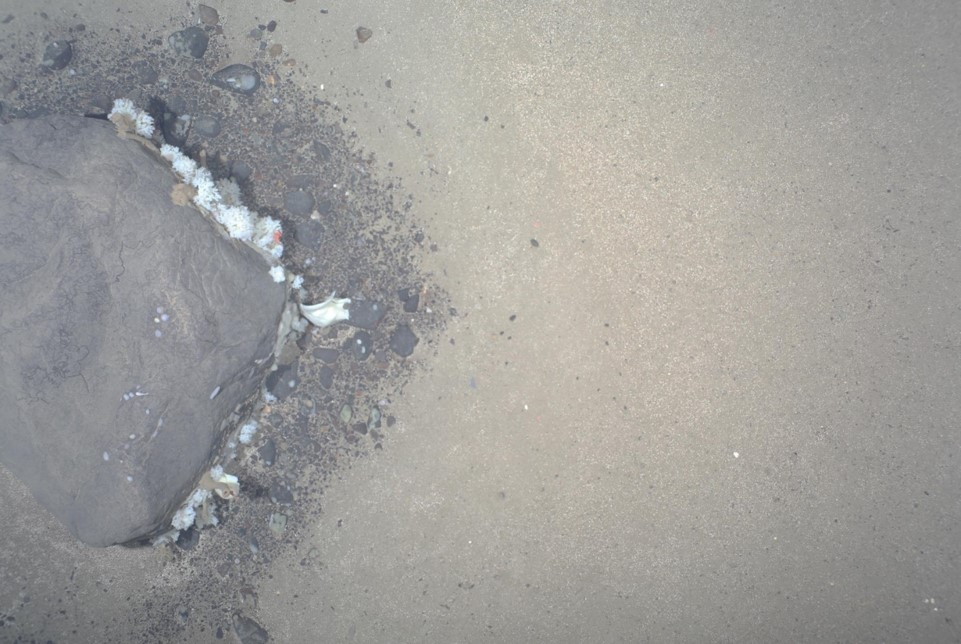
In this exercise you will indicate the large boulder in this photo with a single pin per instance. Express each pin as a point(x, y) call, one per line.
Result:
point(132, 331)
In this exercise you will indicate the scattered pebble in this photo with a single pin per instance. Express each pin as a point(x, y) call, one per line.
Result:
point(281, 494)
point(411, 299)
point(327, 355)
point(268, 452)
point(326, 377)
point(299, 202)
point(248, 631)
point(366, 314)
point(208, 15)
point(373, 418)
point(363, 34)
point(146, 74)
point(240, 171)
point(206, 125)
point(277, 523)
point(191, 41)
point(57, 55)
point(403, 341)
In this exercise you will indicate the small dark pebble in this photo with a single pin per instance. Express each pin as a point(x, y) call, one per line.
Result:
point(366, 314)
point(403, 341)
point(322, 150)
point(206, 125)
point(240, 171)
point(248, 631)
point(360, 428)
point(535, 243)
point(309, 233)
point(271, 26)
point(237, 78)
point(278, 382)
point(360, 345)
point(326, 354)
point(145, 72)
point(410, 298)
point(188, 539)
point(326, 377)
point(57, 55)
point(191, 41)
point(281, 494)
point(299, 202)
point(364, 34)
point(325, 206)
point(177, 104)
point(268, 452)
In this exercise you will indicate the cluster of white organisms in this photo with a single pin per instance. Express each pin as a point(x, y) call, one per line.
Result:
point(221, 200)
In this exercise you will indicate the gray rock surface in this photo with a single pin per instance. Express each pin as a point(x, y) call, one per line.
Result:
point(120, 315)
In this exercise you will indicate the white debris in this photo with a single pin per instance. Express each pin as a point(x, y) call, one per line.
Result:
point(184, 517)
point(328, 312)
point(247, 433)
point(144, 124)
point(237, 221)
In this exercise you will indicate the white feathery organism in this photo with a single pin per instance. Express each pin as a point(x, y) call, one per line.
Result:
point(170, 152)
point(277, 272)
point(267, 235)
point(183, 166)
point(124, 107)
point(207, 196)
point(185, 516)
point(144, 124)
point(237, 220)
point(220, 198)
point(297, 282)
point(229, 191)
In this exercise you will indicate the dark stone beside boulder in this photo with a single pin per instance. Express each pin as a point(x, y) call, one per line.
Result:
point(366, 314)
point(403, 341)
point(132, 330)
point(299, 202)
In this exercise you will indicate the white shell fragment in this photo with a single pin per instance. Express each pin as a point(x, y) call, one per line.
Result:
point(328, 312)
point(226, 486)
